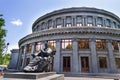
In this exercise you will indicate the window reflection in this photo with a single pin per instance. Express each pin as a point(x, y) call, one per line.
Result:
point(100, 45)
point(59, 26)
point(79, 24)
point(38, 46)
point(115, 45)
point(67, 44)
point(29, 48)
point(83, 44)
point(102, 62)
point(117, 60)
point(22, 48)
point(68, 25)
point(52, 44)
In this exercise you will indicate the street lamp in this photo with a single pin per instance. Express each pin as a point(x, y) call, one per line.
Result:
point(6, 52)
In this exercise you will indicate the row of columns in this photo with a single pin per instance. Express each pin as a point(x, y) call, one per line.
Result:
point(94, 63)
point(74, 22)
point(57, 58)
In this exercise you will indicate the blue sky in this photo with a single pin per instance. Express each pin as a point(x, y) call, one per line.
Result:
point(20, 14)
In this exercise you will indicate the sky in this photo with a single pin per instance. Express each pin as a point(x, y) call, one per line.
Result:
point(19, 15)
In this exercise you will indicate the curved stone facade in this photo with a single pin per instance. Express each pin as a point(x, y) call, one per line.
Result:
point(86, 40)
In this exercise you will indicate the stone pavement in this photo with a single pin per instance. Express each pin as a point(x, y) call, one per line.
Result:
point(84, 78)
point(89, 77)
point(77, 78)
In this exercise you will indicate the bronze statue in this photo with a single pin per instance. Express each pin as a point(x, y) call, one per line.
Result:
point(42, 61)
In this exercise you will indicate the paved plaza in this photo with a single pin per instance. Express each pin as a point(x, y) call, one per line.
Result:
point(75, 78)
point(84, 78)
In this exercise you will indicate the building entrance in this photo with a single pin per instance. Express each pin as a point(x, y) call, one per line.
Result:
point(84, 64)
point(66, 64)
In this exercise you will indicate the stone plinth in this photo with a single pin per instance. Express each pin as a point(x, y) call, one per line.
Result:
point(33, 76)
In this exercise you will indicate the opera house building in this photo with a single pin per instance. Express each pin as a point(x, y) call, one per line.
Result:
point(86, 40)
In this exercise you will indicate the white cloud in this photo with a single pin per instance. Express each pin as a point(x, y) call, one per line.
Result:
point(17, 22)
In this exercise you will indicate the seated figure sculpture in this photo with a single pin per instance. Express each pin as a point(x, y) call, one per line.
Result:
point(41, 61)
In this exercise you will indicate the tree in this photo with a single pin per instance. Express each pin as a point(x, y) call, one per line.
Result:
point(2, 35)
point(7, 56)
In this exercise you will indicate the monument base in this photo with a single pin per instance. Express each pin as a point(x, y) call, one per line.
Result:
point(33, 76)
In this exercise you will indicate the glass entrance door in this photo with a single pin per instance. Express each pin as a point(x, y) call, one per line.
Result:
point(66, 64)
point(84, 64)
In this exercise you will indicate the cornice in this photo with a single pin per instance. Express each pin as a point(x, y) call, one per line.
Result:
point(71, 30)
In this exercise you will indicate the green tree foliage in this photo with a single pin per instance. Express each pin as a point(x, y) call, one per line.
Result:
point(7, 59)
point(2, 35)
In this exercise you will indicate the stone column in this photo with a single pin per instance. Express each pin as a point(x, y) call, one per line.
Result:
point(57, 62)
point(75, 56)
point(74, 21)
point(54, 23)
point(94, 21)
point(32, 51)
point(119, 46)
point(111, 57)
point(104, 21)
point(63, 21)
point(85, 21)
point(24, 56)
point(94, 65)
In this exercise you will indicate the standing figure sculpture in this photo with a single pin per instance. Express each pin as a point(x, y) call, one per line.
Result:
point(41, 61)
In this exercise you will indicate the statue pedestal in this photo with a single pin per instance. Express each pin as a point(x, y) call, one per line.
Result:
point(33, 76)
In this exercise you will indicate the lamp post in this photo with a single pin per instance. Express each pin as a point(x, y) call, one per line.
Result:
point(6, 53)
